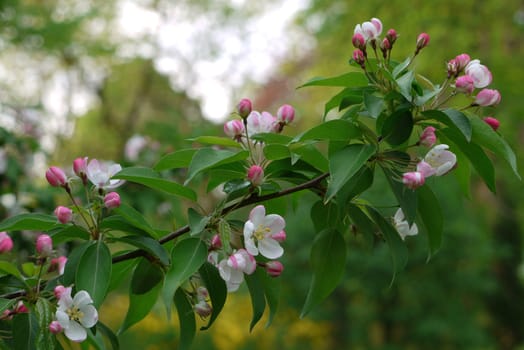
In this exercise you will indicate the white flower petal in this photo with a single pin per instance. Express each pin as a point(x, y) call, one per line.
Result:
point(62, 318)
point(275, 223)
point(250, 246)
point(90, 316)
point(257, 215)
point(76, 332)
point(270, 248)
point(82, 298)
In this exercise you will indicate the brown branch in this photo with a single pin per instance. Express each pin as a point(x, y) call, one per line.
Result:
point(248, 201)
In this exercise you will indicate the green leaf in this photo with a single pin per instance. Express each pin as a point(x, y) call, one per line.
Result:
point(272, 138)
point(404, 84)
point(73, 260)
point(476, 156)
point(400, 67)
point(135, 218)
point(374, 104)
point(120, 223)
point(66, 233)
point(145, 277)
point(216, 140)
point(399, 252)
point(217, 289)
point(345, 163)
point(452, 118)
point(397, 127)
point(272, 293)
point(197, 222)
point(431, 217)
point(186, 258)
point(94, 272)
point(25, 330)
point(207, 158)
point(347, 79)
point(44, 338)
point(334, 130)
point(328, 260)
point(29, 221)
point(150, 178)
point(139, 306)
point(178, 159)
point(121, 272)
point(311, 155)
point(108, 333)
point(258, 301)
point(360, 182)
point(362, 223)
point(276, 152)
point(186, 317)
point(346, 98)
point(6, 304)
point(485, 136)
point(152, 246)
point(11, 269)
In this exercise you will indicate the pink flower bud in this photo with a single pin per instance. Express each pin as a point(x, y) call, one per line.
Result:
point(6, 243)
point(286, 114)
point(452, 67)
point(465, 84)
point(216, 242)
point(112, 200)
point(20, 308)
point(203, 309)
point(462, 61)
point(359, 41)
point(56, 177)
point(63, 214)
point(255, 175)
point(274, 268)
point(44, 245)
point(422, 41)
point(358, 57)
point(428, 137)
point(55, 327)
point(487, 97)
point(385, 45)
point(80, 167)
point(392, 36)
point(58, 264)
point(244, 107)
point(413, 179)
point(234, 128)
point(279, 237)
point(61, 290)
point(494, 123)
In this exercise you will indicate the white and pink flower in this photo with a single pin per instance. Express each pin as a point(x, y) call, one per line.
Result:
point(259, 233)
point(100, 173)
point(402, 225)
point(76, 314)
point(233, 268)
point(479, 73)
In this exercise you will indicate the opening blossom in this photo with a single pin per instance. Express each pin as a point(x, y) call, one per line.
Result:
point(76, 314)
point(100, 173)
point(258, 123)
point(233, 268)
point(438, 161)
point(479, 73)
point(402, 225)
point(259, 231)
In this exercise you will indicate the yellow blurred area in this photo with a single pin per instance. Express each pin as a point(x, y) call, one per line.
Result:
point(230, 330)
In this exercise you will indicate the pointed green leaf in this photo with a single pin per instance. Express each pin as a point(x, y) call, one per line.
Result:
point(150, 245)
point(25, 330)
point(404, 84)
point(186, 317)
point(146, 276)
point(485, 136)
point(94, 272)
point(272, 293)
point(108, 333)
point(6, 304)
point(216, 140)
point(276, 152)
point(73, 259)
point(178, 159)
point(207, 158)
point(453, 119)
point(311, 155)
point(139, 306)
point(11, 269)
point(347, 79)
point(44, 338)
point(217, 289)
point(399, 252)
point(431, 217)
point(400, 67)
point(29, 221)
point(345, 163)
point(328, 260)
point(337, 129)
point(150, 178)
point(186, 258)
point(197, 222)
point(135, 218)
point(374, 104)
point(121, 272)
point(258, 302)
point(397, 127)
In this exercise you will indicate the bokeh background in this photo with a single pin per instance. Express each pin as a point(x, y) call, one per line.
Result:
point(132, 80)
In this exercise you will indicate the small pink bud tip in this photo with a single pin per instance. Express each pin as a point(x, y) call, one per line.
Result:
point(244, 107)
point(55, 327)
point(358, 40)
point(216, 242)
point(413, 179)
point(255, 175)
point(392, 36)
point(358, 57)
point(44, 245)
point(58, 264)
point(63, 214)
point(6, 243)
point(422, 41)
point(56, 177)
point(274, 268)
point(428, 137)
point(494, 123)
point(487, 97)
point(234, 129)
point(465, 84)
point(112, 200)
point(286, 114)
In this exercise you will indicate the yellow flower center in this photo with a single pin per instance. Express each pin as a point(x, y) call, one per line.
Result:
point(74, 313)
point(261, 232)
